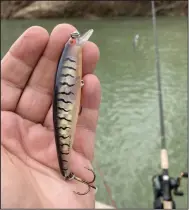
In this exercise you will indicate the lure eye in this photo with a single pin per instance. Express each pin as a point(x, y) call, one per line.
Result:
point(72, 41)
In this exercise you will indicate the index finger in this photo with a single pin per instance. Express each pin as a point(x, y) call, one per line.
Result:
point(18, 64)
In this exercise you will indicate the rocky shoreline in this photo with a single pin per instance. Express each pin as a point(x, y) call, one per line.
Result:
point(89, 9)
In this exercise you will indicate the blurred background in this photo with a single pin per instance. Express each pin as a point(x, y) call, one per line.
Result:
point(128, 137)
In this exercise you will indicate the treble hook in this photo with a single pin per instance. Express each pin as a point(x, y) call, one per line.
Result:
point(87, 183)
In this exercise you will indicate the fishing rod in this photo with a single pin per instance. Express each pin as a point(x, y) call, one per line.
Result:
point(163, 185)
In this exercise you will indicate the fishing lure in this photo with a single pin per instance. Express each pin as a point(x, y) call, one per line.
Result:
point(66, 103)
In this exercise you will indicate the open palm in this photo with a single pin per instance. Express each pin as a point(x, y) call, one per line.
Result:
point(30, 172)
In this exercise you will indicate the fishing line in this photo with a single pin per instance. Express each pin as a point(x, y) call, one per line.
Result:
point(108, 190)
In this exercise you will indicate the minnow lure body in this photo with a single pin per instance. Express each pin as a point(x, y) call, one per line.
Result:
point(66, 103)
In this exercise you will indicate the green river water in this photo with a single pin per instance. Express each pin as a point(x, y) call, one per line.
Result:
point(128, 138)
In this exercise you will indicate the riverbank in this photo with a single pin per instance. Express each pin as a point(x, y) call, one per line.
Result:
point(88, 9)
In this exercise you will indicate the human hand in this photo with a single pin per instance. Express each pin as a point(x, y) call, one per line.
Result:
point(30, 171)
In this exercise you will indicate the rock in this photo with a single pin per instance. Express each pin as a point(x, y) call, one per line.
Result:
point(39, 9)
point(8, 8)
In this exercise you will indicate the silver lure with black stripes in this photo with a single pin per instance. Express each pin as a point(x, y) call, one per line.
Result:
point(66, 103)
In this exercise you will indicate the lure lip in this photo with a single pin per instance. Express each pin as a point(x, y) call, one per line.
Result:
point(85, 37)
